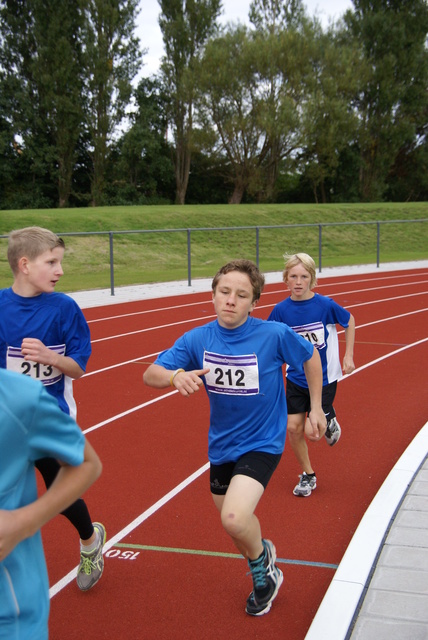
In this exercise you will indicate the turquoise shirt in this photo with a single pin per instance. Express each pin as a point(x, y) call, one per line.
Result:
point(31, 426)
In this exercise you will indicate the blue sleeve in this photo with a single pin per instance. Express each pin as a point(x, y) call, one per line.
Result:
point(77, 337)
point(272, 315)
point(180, 355)
point(339, 314)
point(295, 350)
point(275, 314)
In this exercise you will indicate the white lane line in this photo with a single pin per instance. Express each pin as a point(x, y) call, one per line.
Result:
point(132, 525)
point(265, 293)
point(142, 359)
point(160, 326)
point(129, 411)
point(262, 306)
point(185, 483)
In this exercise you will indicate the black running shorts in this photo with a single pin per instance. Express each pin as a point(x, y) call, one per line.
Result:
point(255, 464)
point(299, 401)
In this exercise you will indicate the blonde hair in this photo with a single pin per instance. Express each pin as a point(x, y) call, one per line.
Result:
point(300, 258)
point(257, 279)
point(30, 242)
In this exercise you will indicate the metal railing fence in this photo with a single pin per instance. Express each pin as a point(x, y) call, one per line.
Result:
point(257, 229)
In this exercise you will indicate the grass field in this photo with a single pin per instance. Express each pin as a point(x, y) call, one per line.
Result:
point(160, 257)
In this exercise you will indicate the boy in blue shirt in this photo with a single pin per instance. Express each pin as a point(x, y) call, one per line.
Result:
point(239, 360)
point(48, 339)
point(314, 317)
point(33, 426)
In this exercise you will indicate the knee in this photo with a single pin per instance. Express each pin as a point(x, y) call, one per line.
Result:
point(233, 523)
point(295, 430)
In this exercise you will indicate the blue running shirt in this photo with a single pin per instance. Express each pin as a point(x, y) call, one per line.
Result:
point(56, 320)
point(315, 320)
point(245, 384)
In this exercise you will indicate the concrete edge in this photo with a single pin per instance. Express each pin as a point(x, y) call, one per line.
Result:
point(103, 297)
point(337, 609)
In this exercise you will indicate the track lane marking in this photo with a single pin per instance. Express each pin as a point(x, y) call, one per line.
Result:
point(71, 575)
point(171, 393)
point(61, 584)
point(151, 355)
point(264, 306)
point(268, 293)
point(219, 554)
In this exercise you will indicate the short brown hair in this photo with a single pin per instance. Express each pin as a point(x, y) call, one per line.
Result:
point(257, 279)
point(30, 242)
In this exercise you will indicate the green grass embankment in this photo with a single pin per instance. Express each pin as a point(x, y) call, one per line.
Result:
point(159, 257)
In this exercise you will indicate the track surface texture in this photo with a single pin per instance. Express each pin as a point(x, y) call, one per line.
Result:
point(170, 570)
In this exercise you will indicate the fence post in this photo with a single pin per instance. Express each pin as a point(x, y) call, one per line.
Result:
point(320, 246)
point(189, 260)
point(257, 247)
point(378, 246)
point(110, 234)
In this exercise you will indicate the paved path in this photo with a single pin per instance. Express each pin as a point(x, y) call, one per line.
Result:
point(380, 590)
point(396, 604)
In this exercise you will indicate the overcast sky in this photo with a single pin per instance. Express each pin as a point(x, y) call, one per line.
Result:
point(233, 11)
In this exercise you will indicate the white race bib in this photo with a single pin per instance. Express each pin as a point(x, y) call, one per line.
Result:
point(314, 333)
point(45, 373)
point(232, 375)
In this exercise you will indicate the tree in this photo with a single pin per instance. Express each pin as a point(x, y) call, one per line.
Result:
point(329, 123)
point(186, 26)
point(41, 83)
point(252, 95)
point(229, 105)
point(393, 104)
point(269, 15)
point(142, 169)
point(408, 178)
point(279, 26)
point(111, 60)
point(58, 78)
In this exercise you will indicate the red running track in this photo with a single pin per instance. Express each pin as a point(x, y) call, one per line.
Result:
point(170, 570)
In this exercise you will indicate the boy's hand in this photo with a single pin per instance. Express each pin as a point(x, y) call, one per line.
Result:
point(10, 535)
point(34, 350)
point(188, 382)
point(348, 365)
point(316, 425)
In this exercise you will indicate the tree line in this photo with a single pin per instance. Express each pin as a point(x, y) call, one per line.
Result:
point(282, 110)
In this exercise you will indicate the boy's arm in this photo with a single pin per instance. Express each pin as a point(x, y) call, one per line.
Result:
point(187, 382)
point(348, 359)
point(34, 350)
point(313, 372)
point(70, 483)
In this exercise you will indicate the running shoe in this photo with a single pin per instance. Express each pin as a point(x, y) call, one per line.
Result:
point(267, 579)
point(306, 485)
point(333, 432)
point(91, 565)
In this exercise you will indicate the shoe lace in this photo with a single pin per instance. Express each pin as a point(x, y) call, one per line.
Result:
point(304, 480)
point(86, 564)
point(258, 573)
